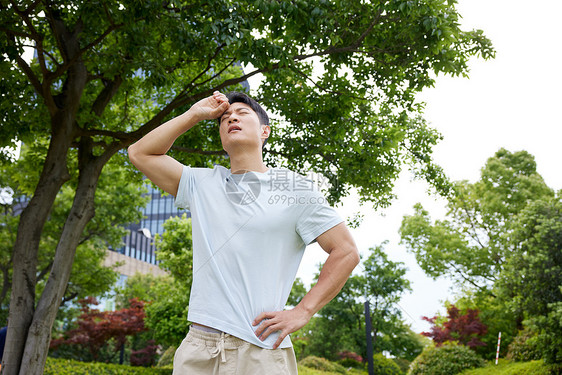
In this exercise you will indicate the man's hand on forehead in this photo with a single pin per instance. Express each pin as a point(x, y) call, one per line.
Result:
point(211, 107)
point(221, 98)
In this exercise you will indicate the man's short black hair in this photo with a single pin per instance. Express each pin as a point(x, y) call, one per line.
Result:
point(240, 97)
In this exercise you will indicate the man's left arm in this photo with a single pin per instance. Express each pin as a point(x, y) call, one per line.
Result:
point(342, 259)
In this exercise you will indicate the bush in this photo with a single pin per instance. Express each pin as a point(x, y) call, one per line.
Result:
point(402, 363)
point(385, 366)
point(524, 347)
point(167, 357)
point(56, 366)
point(322, 364)
point(445, 360)
point(351, 363)
point(351, 360)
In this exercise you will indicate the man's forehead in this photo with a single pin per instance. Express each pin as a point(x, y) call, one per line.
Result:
point(237, 106)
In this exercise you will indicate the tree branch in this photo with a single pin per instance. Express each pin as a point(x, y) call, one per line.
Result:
point(209, 65)
point(30, 75)
point(21, 34)
point(63, 67)
point(44, 271)
point(106, 95)
point(123, 136)
point(470, 281)
point(301, 73)
point(182, 99)
point(68, 298)
point(35, 35)
point(218, 73)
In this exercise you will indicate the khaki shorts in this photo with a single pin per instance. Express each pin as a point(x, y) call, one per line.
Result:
point(206, 353)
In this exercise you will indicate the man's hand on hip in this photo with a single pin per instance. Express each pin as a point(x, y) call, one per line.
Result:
point(287, 321)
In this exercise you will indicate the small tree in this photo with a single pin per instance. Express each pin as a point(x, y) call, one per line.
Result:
point(462, 328)
point(96, 329)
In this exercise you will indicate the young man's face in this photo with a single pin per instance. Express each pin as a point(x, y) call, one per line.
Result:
point(240, 128)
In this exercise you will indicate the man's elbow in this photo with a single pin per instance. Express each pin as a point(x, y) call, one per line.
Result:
point(133, 153)
point(350, 255)
point(354, 256)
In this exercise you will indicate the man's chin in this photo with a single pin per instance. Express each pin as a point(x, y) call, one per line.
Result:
point(236, 146)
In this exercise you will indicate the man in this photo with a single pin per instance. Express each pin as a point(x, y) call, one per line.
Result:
point(251, 225)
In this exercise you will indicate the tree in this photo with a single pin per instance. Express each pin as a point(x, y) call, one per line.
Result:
point(501, 240)
point(465, 328)
point(298, 291)
point(97, 329)
point(168, 296)
point(385, 284)
point(175, 249)
point(107, 73)
point(531, 284)
point(88, 275)
point(382, 282)
point(470, 245)
point(493, 313)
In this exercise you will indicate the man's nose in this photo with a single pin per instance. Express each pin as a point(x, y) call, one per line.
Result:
point(232, 118)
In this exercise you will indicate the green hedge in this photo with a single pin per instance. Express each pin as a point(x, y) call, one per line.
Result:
point(56, 366)
point(309, 371)
point(505, 367)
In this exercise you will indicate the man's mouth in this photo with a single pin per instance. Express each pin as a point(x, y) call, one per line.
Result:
point(234, 128)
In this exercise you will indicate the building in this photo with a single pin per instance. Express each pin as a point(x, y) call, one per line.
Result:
point(138, 253)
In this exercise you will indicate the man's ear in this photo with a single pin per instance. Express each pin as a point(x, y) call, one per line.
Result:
point(265, 131)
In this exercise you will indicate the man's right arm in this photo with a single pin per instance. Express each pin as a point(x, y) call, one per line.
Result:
point(148, 154)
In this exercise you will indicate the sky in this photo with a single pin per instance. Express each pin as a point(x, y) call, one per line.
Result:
point(512, 101)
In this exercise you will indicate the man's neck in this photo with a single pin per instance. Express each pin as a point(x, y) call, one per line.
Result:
point(246, 162)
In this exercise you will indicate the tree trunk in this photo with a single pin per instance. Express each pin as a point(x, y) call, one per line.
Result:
point(39, 335)
point(32, 220)
point(33, 217)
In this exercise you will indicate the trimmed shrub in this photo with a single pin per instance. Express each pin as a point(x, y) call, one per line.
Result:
point(385, 366)
point(57, 366)
point(167, 357)
point(445, 360)
point(322, 364)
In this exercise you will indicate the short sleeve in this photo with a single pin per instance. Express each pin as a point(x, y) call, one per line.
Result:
point(185, 188)
point(316, 218)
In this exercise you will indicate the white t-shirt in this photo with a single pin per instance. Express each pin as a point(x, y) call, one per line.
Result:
point(250, 231)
